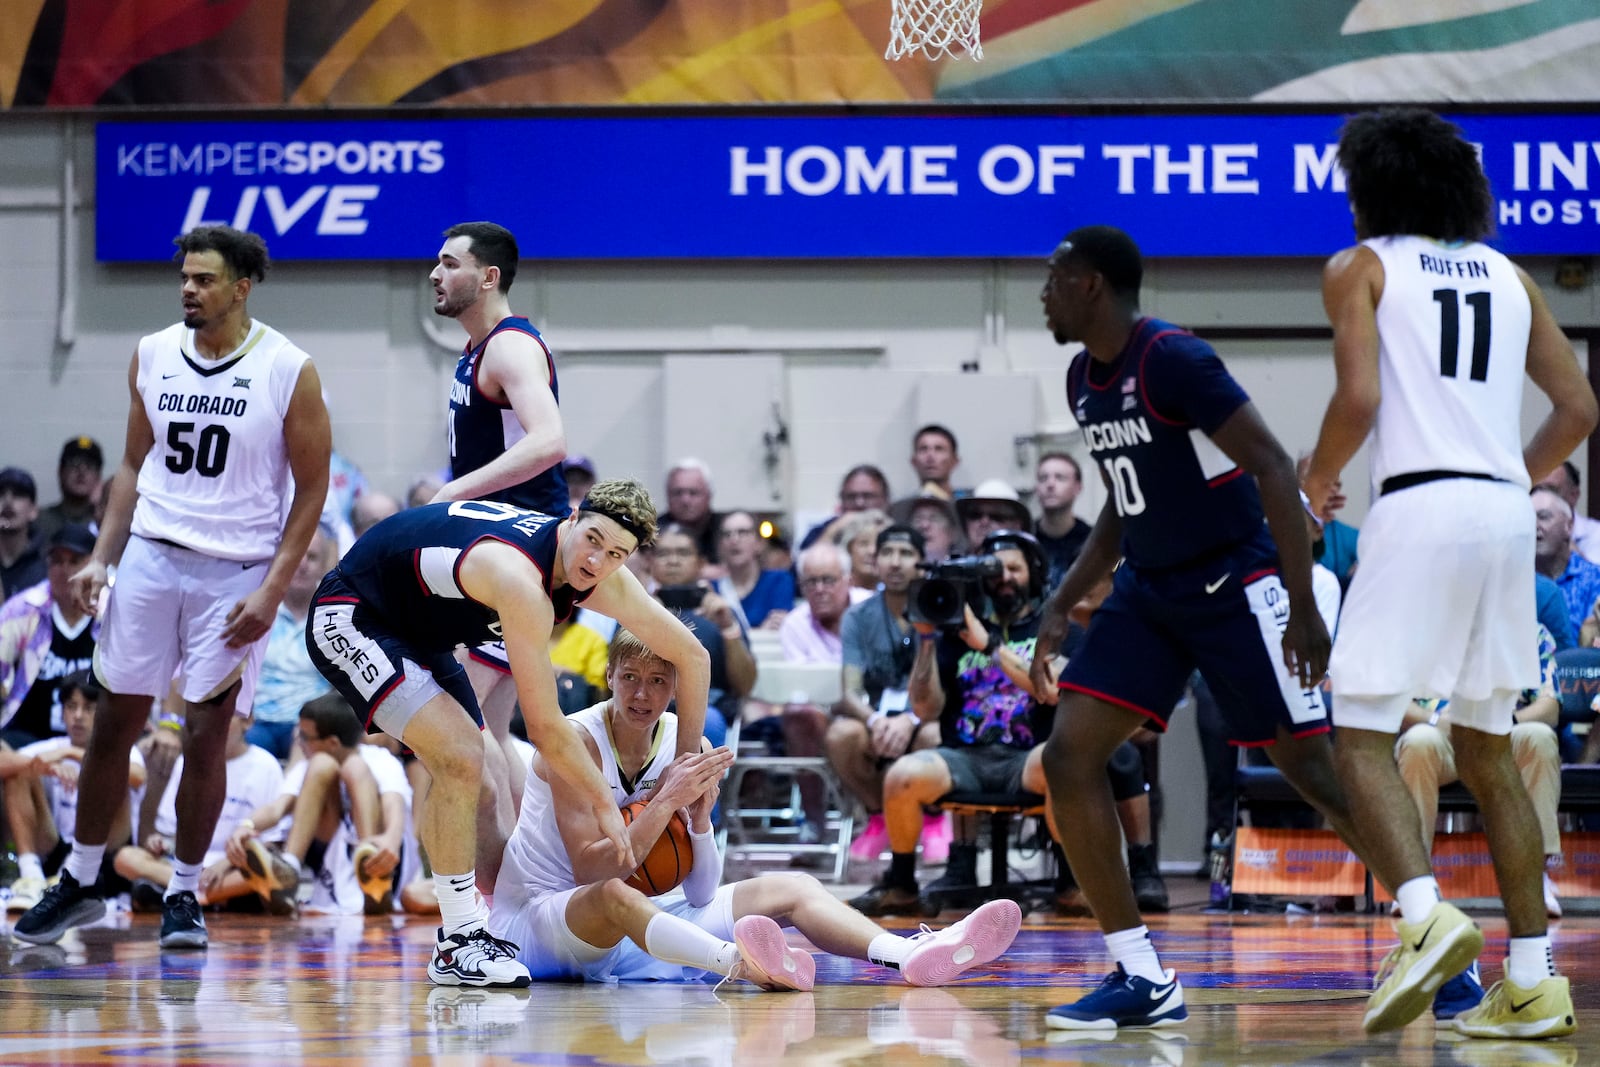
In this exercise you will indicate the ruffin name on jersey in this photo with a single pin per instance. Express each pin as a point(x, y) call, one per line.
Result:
point(200, 404)
point(1453, 268)
point(1116, 433)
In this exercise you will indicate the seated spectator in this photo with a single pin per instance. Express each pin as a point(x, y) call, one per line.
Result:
point(1057, 481)
point(934, 457)
point(864, 488)
point(580, 475)
point(858, 535)
point(761, 597)
point(254, 780)
point(44, 638)
point(873, 724)
point(79, 474)
point(288, 679)
point(371, 508)
point(974, 682)
point(41, 797)
point(1427, 760)
point(350, 805)
point(1554, 558)
point(994, 505)
point(1550, 605)
point(676, 567)
point(1565, 482)
point(940, 527)
point(423, 490)
point(21, 556)
point(689, 492)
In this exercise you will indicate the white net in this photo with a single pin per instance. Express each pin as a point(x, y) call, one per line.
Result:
point(936, 28)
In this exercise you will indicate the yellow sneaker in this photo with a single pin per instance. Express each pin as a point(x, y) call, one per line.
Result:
point(1508, 1010)
point(377, 892)
point(1431, 952)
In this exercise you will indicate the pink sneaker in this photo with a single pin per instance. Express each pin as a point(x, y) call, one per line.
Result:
point(939, 955)
point(872, 841)
point(936, 834)
point(766, 959)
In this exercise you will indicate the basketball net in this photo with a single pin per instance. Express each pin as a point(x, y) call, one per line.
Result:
point(936, 28)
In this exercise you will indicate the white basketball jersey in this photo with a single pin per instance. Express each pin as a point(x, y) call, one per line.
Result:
point(536, 859)
point(217, 479)
point(1453, 327)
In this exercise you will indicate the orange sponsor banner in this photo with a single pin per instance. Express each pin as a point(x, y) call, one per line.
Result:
point(1465, 869)
point(1295, 863)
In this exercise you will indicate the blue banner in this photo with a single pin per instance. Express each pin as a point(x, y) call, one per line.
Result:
point(800, 187)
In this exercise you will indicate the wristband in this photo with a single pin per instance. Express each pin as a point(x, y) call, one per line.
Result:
point(993, 644)
point(170, 722)
point(928, 639)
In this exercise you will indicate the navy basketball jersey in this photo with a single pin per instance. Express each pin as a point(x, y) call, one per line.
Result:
point(482, 429)
point(406, 569)
point(1145, 418)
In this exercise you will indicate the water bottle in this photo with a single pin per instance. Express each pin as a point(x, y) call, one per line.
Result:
point(1221, 853)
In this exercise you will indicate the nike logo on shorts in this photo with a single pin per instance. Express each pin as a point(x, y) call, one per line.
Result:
point(1212, 587)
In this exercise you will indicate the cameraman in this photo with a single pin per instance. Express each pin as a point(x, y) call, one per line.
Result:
point(676, 569)
point(973, 680)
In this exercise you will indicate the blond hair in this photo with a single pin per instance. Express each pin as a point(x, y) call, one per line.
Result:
point(625, 502)
point(624, 645)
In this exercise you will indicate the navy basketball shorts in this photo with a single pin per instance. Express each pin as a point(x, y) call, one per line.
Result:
point(385, 680)
point(1226, 618)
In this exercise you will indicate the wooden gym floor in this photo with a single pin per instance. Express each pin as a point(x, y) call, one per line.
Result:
point(1261, 989)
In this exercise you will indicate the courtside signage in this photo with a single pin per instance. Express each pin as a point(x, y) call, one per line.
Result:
point(800, 187)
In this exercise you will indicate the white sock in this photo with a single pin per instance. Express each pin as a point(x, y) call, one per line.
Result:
point(1132, 949)
point(28, 866)
point(1529, 961)
point(888, 950)
point(84, 863)
point(460, 907)
point(185, 878)
point(1417, 897)
point(679, 941)
point(292, 860)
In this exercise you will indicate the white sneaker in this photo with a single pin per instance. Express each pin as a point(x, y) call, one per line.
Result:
point(476, 958)
point(1552, 903)
point(25, 893)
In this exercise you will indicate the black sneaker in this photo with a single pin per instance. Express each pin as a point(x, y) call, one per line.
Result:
point(63, 906)
point(182, 925)
point(886, 899)
point(146, 895)
point(1144, 870)
point(958, 885)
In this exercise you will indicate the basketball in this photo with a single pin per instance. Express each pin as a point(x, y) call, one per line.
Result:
point(669, 859)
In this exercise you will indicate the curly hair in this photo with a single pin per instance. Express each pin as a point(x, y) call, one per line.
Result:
point(244, 252)
point(625, 502)
point(1408, 171)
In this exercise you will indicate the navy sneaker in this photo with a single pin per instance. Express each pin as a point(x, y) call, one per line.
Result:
point(1457, 995)
point(1124, 1001)
point(182, 925)
point(63, 906)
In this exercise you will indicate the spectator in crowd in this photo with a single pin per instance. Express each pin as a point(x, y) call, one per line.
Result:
point(1565, 481)
point(254, 780)
point(580, 474)
point(940, 527)
point(864, 488)
point(761, 597)
point(371, 508)
point(676, 568)
point(974, 682)
point(22, 562)
point(873, 724)
point(858, 535)
point(993, 505)
point(346, 486)
point(1338, 538)
point(41, 797)
point(689, 492)
point(45, 637)
point(288, 678)
point(1427, 760)
point(1554, 558)
point(80, 473)
point(1550, 605)
point(934, 457)
point(351, 809)
point(1057, 481)
point(423, 489)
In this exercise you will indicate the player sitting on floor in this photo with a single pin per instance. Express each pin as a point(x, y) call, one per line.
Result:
point(562, 897)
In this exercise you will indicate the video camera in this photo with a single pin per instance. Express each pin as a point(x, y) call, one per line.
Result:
point(947, 587)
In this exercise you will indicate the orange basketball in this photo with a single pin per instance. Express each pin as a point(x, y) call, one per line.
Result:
point(669, 859)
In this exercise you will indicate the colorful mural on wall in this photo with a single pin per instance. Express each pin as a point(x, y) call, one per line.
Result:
point(374, 53)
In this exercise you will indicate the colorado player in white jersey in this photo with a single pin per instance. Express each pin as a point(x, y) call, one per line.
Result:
point(561, 895)
point(1433, 332)
point(223, 476)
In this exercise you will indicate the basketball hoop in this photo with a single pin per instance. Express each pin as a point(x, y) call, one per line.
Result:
point(936, 28)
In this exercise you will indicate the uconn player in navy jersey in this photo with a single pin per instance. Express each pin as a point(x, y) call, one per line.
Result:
point(506, 443)
point(1434, 334)
point(424, 582)
point(1191, 469)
